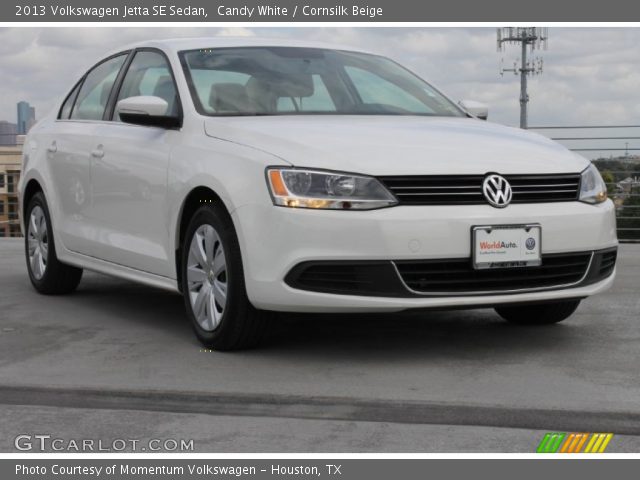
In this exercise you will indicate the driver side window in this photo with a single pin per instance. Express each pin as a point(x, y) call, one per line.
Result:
point(149, 74)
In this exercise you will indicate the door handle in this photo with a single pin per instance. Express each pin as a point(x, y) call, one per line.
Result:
point(53, 148)
point(97, 153)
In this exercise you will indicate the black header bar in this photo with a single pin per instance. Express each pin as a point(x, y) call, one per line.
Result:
point(295, 11)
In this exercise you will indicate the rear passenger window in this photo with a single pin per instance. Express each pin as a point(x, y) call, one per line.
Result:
point(94, 93)
point(150, 74)
point(65, 110)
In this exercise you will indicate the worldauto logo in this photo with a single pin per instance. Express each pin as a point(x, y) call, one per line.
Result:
point(497, 190)
point(497, 245)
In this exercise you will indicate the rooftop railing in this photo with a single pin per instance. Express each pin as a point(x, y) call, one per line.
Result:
point(623, 184)
point(611, 148)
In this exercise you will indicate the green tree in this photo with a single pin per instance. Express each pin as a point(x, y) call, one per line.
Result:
point(610, 180)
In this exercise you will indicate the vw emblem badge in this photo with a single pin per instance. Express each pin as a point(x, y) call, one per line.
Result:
point(530, 243)
point(497, 190)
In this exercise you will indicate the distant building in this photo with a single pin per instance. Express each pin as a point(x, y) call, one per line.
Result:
point(10, 164)
point(628, 184)
point(8, 133)
point(32, 118)
point(26, 117)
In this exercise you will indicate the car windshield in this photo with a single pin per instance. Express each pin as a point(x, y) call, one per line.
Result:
point(298, 81)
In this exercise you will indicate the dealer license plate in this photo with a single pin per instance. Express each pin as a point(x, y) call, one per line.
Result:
point(506, 246)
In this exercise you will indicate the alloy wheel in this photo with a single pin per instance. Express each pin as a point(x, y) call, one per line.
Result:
point(38, 239)
point(207, 277)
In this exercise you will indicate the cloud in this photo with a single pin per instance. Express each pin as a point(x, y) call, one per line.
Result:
point(592, 75)
point(236, 32)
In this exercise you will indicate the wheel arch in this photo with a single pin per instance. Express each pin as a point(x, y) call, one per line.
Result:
point(197, 197)
point(31, 188)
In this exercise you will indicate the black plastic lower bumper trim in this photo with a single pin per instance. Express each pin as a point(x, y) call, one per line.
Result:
point(449, 277)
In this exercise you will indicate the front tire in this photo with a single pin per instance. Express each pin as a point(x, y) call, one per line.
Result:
point(538, 314)
point(47, 274)
point(213, 284)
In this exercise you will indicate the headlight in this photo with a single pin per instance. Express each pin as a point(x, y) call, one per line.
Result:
point(298, 188)
point(592, 187)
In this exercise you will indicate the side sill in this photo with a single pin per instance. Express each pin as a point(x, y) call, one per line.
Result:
point(119, 271)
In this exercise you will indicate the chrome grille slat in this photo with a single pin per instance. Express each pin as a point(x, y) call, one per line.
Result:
point(542, 191)
point(553, 185)
point(440, 193)
point(435, 188)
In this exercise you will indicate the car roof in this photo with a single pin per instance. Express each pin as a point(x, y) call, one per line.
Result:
point(179, 44)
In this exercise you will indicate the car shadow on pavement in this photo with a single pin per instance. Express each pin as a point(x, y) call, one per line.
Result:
point(458, 333)
point(123, 301)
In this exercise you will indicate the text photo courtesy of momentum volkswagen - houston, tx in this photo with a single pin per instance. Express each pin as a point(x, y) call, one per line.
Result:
point(290, 248)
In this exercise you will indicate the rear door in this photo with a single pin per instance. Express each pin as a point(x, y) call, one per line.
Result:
point(69, 142)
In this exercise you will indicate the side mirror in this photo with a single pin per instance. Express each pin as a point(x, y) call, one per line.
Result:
point(477, 109)
point(146, 110)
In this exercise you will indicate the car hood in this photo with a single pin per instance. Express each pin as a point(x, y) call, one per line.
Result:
point(397, 145)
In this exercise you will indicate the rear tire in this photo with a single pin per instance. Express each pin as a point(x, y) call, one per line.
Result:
point(538, 314)
point(213, 284)
point(47, 274)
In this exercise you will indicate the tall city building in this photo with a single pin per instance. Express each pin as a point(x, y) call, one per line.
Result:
point(32, 118)
point(26, 117)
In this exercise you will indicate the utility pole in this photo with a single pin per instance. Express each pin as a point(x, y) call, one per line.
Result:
point(529, 39)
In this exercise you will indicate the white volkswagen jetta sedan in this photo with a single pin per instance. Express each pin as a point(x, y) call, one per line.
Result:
point(260, 176)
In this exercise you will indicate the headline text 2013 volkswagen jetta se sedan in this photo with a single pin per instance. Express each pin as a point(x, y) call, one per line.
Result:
point(259, 176)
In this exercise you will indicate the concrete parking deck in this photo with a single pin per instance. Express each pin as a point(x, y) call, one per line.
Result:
point(428, 381)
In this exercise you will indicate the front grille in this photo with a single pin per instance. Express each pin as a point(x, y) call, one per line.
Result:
point(467, 189)
point(458, 275)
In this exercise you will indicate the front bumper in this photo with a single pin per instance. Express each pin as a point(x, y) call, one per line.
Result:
point(274, 240)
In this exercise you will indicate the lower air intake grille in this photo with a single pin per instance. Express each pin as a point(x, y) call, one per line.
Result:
point(375, 278)
point(458, 276)
point(608, 262)
point(447, 277)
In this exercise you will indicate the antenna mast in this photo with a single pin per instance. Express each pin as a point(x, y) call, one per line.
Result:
point(529, 39)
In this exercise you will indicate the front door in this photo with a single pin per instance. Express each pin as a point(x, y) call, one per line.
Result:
point(129, 166)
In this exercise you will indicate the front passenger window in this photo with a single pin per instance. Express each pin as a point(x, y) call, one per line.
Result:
point(94, 94)
point(149, 74)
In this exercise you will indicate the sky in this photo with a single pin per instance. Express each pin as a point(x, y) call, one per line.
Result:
point(591, 75)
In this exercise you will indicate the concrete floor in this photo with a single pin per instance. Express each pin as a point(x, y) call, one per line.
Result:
point(117, 358)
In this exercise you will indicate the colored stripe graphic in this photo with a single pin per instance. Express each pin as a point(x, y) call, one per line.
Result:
point(604, 445)
point(559, 442)
point(581, 442)
point(550, 443)
point(570, 443)
point(598, 443)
